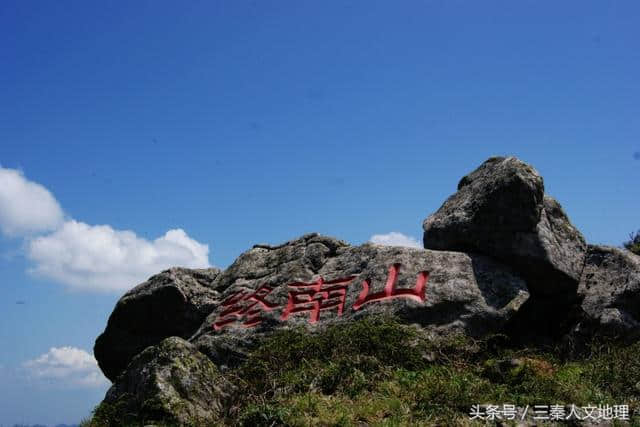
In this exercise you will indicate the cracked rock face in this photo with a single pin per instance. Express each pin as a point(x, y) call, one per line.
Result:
point(610, 292)
point(500, 210)
point(315, 279)
point(172, 303)
point(170, 382)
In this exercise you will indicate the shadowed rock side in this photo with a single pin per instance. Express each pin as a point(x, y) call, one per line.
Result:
point(315, 279)
point(170, 383)
point(500, 210)
point(610, 293)
point(172, 303)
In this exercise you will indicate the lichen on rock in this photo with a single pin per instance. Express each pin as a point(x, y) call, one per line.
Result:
point(171, 383)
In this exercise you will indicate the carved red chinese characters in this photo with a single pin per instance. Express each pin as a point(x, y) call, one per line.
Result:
point(318, 296)
point(390, 291)
point(244, 305)
point(313, 298)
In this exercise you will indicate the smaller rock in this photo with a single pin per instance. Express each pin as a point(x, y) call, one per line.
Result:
point(610, 288)
point(171, 382)
point(500, 210)
point(172, 303)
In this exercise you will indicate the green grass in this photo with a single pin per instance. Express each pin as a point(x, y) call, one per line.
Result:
point(380, 372)
point(383, 373)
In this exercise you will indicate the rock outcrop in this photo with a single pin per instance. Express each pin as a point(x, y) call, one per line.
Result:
point(172, 303)
point(308, 282)
point(500, 210)
point(500, 257)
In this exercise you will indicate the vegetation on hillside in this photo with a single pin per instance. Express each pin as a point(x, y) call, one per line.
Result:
point(379, 372)
point(633, 244)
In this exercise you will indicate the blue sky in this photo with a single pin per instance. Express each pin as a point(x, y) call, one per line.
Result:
point(139, 134)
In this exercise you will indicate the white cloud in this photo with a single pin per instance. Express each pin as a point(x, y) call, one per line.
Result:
point(25, 206)
point(395, 239)
point(66, 366)
point(100, 258)
point(85, 256)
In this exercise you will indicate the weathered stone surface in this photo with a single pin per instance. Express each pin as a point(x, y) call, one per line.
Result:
point(500, 210)
point(501, 257)
point(170, 382)
point(500, 217)
point(172, 303)
point(610, 292)
point(461, 293)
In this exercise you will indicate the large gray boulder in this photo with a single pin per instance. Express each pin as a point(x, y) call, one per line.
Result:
point(315, 280)
point(172, 303)
point(171, 383)
point(610, 293)
point(500, 210)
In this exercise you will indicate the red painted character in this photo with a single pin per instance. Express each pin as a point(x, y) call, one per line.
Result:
point(245, 305)
point(390, 291)
point(318, 296)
